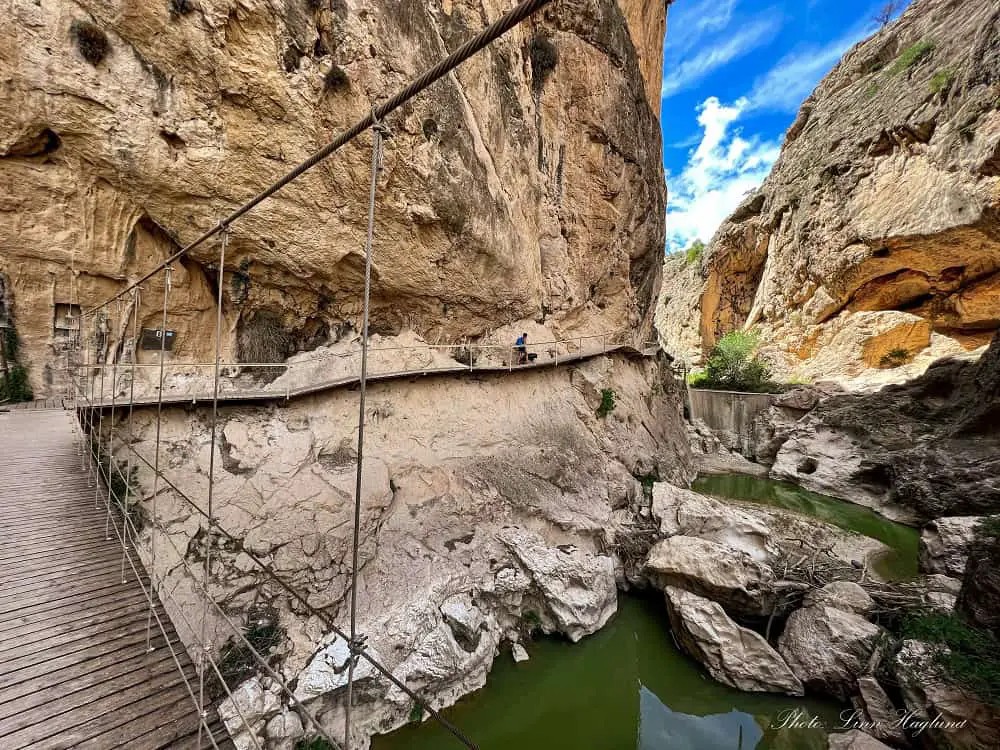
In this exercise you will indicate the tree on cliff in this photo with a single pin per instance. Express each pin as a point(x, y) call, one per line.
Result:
point(734, 365)
point(884, 16)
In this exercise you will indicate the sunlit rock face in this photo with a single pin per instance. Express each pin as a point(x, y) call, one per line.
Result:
point(528, 185)
point(885, 201)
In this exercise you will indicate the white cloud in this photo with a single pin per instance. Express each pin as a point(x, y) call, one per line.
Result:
point(680, 74)
point(787, 84)
point(721, 171)
point(688, 22)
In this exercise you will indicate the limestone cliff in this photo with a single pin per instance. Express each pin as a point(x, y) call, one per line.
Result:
point(528, 185)
point(879, 227)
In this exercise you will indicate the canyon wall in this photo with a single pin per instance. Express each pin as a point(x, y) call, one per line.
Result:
point(878, 229)
point(526, 186)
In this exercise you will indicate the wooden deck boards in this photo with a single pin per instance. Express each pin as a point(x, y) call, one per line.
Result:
point(74, 669)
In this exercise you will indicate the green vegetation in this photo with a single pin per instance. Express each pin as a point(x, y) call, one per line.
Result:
point(607, 403)
point(417, 713)
point(734, 365)
point(90, 40)
point(911, 56)
point(871, 90)
point(262, 631)
point(942, 80)
point(966, 655)
point(894, 358)
point(694, 252)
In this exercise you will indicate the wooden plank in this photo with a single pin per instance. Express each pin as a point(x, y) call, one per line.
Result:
point(74, 666)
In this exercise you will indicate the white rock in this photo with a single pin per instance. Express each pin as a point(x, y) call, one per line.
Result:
point(519, 653)
point(255, 703)
point(716, 571)
point(944, 545)
point(881, 718)
point(464, 619)
point(327, 672)
point(681, 511)
point(733, 655)
point(843, 595)
point(578, 587)
point(284, 730)
point(828, 649)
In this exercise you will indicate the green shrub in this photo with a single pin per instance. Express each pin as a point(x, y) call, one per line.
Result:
point(966, 655)
point(696, 379)
point(733, 365)
point(607, 403)
point(911, 56)
point(90, 40)
point(694, 252)
point(941, 81)
point(417, 713)
point(894, 358)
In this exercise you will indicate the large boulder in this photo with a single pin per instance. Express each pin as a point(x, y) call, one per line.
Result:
point(828, 648)
point(733, 655)
point(846, 596)
point(855, 740)
point(979, 598)
point(577, 587)
point(945, 543)
point(681, 511)
point(945, 715)
point(716, 571)
point(876, 713)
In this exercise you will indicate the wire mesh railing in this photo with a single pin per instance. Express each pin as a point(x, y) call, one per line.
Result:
point(107, 391)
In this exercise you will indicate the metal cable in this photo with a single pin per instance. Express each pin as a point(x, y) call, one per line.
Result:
point(156, 456)
point(490, 34)
point(377, 132)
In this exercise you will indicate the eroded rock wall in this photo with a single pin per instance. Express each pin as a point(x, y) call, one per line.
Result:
point(490, 505)
point(881, 214)
point(528, 185)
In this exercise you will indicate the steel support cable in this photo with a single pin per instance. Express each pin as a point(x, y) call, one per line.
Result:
point(181, 556)
point(206, 647)
point(490, 34)
point(156, 456)
point(111, 421)
point(356, 646)
point(136, 301)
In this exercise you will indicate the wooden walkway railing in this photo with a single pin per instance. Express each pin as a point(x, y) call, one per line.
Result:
point(75, 671)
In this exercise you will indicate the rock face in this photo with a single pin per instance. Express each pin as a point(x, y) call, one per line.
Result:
point(918, 451)
point(954, 718)
point(855, 740)
point(829, 648)
point(979, 597)
point(876, 236)
point(734, 656)
point(881, 717)
point(491, 507)
point(528, 185)
point(945, 545)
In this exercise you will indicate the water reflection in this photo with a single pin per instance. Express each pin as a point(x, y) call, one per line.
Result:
point(625, 687)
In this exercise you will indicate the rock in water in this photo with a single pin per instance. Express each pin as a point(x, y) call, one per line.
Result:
point(828, 648)
point(733, 655)
point(855, 740)
point(716, 571)
point(519, 653)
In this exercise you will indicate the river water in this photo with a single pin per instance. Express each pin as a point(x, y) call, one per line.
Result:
point(627, 687)
point(899, 564)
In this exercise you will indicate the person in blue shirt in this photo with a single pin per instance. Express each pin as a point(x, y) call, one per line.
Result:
point(521, 346)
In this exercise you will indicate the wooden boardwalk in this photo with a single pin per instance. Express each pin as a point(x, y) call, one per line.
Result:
point(74, 669)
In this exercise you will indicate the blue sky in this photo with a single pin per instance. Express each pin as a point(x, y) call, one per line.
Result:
point(734, 75)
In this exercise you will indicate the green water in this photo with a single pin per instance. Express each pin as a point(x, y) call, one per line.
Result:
point(899, 564)
point(626, 687)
